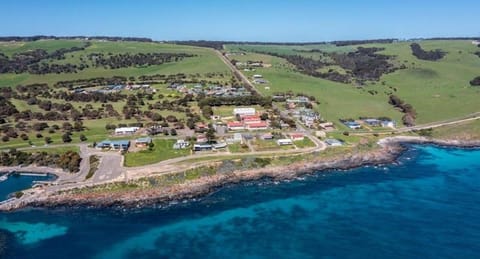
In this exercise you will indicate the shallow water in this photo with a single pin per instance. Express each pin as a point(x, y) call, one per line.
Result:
point(424, 206)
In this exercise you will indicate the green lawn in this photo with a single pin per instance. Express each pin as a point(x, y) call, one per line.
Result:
point(238, 148)
point(161, 151)
point(465, 131)
point(306, 142)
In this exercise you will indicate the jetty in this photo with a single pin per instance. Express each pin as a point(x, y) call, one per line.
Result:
point(33, 174)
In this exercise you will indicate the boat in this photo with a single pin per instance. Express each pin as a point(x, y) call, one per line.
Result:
point(3, 177)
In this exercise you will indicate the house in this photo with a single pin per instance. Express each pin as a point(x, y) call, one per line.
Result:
point(266, 136)
point(235, 125)
point(219, 145)
point(181, 144)
point(388, 124)
point(200, 127)
point(243, 111)
point(327, 126)
point(202, 147)
point(284, 142)
point(333, 142)
point(352, 125)
point(120, 144)
point(373, 122)
point(237, 137)
point(126, 130)
point(154, 130)
point(220, 128)
point(114, 144)
point(201, 138)
point(103, 144)
point(260, 81)
point(296, 136)
point(299, 99)
point(257, 126)
point(250, 119)
point(143, 142)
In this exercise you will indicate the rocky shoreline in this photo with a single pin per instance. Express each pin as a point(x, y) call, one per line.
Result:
point(389, 150)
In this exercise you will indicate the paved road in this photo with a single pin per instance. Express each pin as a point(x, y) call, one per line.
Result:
point(467, 118)
point(239, 75)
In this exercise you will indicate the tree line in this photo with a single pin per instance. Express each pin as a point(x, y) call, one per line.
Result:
point(29, 61)
point(44, 37)
point(409, 112)
point(68, 161)
point(361, 65)
point(115, 61)
point(431, 55)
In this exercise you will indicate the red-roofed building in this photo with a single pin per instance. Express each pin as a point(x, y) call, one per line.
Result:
point(257, 126)
point(249, 119)
point(297, 136)
point(235, 125)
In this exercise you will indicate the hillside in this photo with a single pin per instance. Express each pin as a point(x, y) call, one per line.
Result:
point(438, 90)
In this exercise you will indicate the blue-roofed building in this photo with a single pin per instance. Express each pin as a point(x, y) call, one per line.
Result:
point(352, 124)
point(114, 144)
point(121, 144)
point(104, 144)
point(373, 122)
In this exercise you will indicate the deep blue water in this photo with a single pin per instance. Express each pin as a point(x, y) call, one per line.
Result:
point(16, 183)
point(426, 206)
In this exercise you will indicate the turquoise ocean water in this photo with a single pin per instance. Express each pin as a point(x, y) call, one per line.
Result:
point(425, 206)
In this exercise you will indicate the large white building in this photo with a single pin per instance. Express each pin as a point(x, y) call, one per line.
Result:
point(126, 130)
point(244, 111)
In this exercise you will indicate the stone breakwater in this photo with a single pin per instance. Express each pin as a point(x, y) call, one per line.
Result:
point(388, 151)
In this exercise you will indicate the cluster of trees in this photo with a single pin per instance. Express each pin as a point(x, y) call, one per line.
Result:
point(265, 102)
point(96, 81)
point(358, 42)
point(219, 44)
point(365, 63)
point(29, 61)
point(431, 55)
point(138, 59)
point(475, 81)
point(69, 161)
point(409, 112)
point(6, 107)
point(163, 78)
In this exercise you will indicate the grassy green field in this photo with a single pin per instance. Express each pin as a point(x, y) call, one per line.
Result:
point(465, 131)
point(205, 62)
point(162, 150)
point(437, 90)
point(306, 142)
